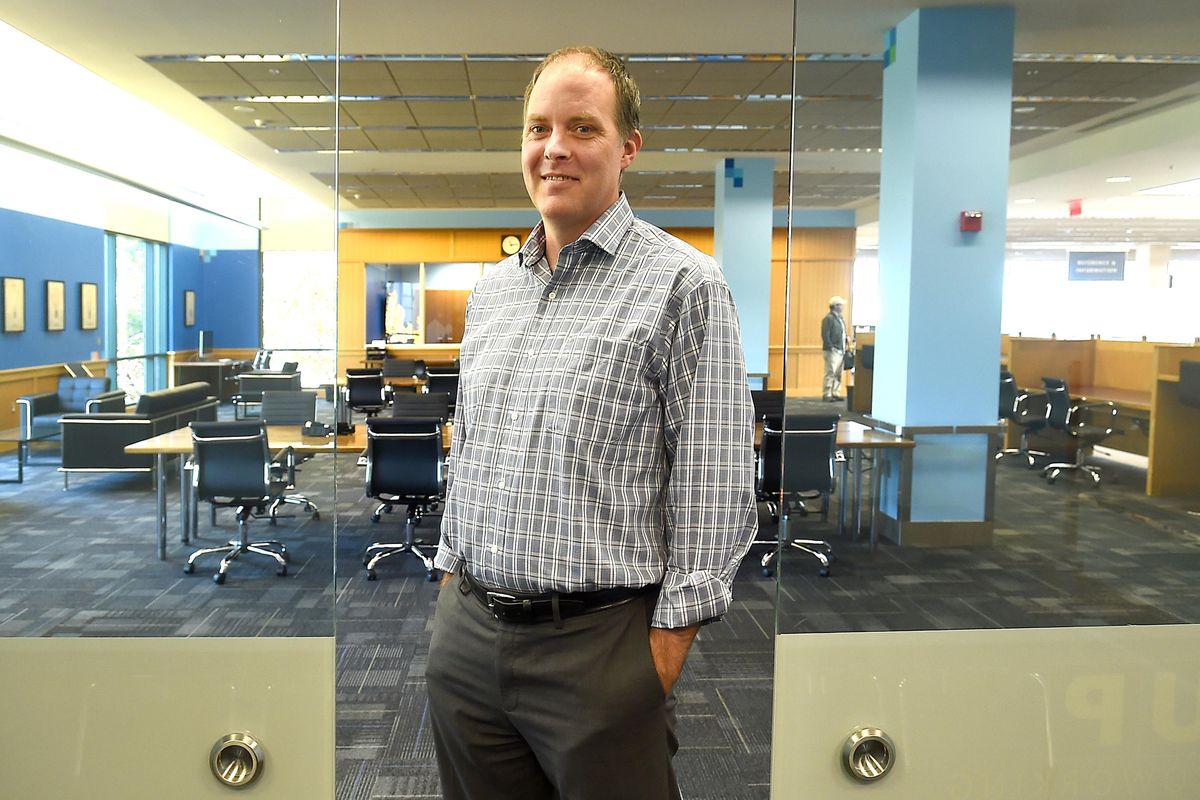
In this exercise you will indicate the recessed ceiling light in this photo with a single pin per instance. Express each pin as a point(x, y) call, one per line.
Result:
point(1118, 179)
point(244, 109)
point(1024, 109)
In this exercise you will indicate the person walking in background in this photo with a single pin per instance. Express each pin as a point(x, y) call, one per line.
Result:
point(833, 345)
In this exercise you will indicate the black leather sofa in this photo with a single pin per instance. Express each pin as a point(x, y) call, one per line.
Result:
point(96, 442)
point(74, 395)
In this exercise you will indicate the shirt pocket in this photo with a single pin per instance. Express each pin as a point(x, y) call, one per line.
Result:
point(601, 390)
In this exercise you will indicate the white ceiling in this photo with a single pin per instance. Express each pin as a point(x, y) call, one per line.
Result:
point(462, 153)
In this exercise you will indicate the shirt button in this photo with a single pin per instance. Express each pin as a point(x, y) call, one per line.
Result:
point(493, 548)
point(552, 295)
point(500, 483)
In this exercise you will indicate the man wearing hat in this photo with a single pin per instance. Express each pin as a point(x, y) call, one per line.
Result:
point(833, 343)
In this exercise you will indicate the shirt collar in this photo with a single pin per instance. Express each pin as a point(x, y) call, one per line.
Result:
point(605, 233)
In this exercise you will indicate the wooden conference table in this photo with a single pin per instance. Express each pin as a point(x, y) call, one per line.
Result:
point(857, 438)
point(279, 437)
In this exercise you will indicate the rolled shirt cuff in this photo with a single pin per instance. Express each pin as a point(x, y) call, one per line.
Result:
point(690, 598)
point(445, 560)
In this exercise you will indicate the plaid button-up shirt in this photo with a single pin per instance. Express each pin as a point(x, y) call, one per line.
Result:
point(603, 434)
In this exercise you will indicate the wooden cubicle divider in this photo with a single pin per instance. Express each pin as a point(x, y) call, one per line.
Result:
point(1174, 468)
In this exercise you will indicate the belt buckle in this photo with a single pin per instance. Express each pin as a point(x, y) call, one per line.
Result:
point(506, 606)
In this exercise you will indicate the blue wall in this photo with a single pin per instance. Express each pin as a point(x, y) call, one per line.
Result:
point(227, 284)
point(227, 298)
point(39, 249)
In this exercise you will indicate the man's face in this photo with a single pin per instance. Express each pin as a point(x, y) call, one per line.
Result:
point(837, 308)
point(572, 153)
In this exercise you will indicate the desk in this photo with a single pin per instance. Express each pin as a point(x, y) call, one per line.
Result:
point(217, 374)
point(857, 437)
point(179, 443)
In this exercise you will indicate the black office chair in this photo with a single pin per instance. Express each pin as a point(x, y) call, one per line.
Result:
point(796, 462)
point(231, 467)
point(867, 356)
point(403, 368)
point(422, 406)
point(290, 367)
point(252, 386)
point(404, 465)
point(366, 391)
point(1075, 420)
point(443, 382)
point(767, 403)
point(1026, 411)
point(262, 360)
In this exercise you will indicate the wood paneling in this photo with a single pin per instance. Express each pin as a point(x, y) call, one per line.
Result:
point(449, 308)
point(1124, 365)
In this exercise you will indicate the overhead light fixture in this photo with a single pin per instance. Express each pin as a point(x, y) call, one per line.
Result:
point(1118, 179)
point(1182, 188)
point(244, 109)
point(1024, 109)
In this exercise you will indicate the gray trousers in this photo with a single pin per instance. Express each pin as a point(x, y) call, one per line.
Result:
point(535, 712)
point(833, 373)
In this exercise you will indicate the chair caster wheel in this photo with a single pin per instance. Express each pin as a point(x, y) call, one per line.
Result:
point(374, 518)
point(188, 569)
point(824, 573)
point(287, 557)
point(431, 575)
point(219, 578)
point(316, 515)
point(371, 576)
point(767, 572)
point(387, 510)
point(282, 571)
point(272, 521)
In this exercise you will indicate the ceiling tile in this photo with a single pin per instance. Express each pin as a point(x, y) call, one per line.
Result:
point(388, 139)
point(431, 78)
point(499, 113)
point(501, 139)
point(380, 112)
point(662, 78)
point(815, 77)
point(865, 79)
point(443, 112)
point(453, 140)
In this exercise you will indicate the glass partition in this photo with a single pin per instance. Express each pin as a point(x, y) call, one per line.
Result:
point(161, 227)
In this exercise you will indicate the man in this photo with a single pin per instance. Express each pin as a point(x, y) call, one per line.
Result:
point(600, 492)
point(833, 344)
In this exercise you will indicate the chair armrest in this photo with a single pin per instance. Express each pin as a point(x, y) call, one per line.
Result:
point(286, 459)
point(35, 405)
point(1081, 411)
point(109, 402)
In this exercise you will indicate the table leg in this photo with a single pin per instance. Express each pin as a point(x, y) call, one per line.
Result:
point(184, 515)
point(858, 461)
point(876, 464)
point(160, 499)
point(843, 493)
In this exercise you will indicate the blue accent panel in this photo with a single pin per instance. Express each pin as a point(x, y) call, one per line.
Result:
point(519, 221)
point(40, 249)
point(948, 484)
point(228, 302)
point(376, 299)
point(184, 272)
point(742, 246)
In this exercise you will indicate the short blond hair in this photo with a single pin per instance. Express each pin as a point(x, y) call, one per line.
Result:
point(629, 99)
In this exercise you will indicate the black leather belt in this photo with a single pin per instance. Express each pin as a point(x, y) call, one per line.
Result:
point(510, 606)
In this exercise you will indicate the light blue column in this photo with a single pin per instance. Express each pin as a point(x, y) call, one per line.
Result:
point(947, 100)
point(742, 222)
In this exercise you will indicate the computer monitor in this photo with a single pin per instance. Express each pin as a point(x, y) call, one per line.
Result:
point(206, 345)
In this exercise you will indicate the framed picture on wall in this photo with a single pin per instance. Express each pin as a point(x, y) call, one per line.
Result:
point(14, 305)
point(56, 306)
point(87, 306)
point(189, 307)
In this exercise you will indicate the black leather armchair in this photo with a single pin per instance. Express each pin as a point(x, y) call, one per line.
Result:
point(85, 395)
point(96, 442)
point(1085, 425)
point(422, 406)
point(405, 464)
point(366, 392)
point(251, 386)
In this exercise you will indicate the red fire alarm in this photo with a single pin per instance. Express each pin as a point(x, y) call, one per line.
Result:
point(970, 221)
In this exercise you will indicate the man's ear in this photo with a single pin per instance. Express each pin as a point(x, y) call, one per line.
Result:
point(632, 145)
